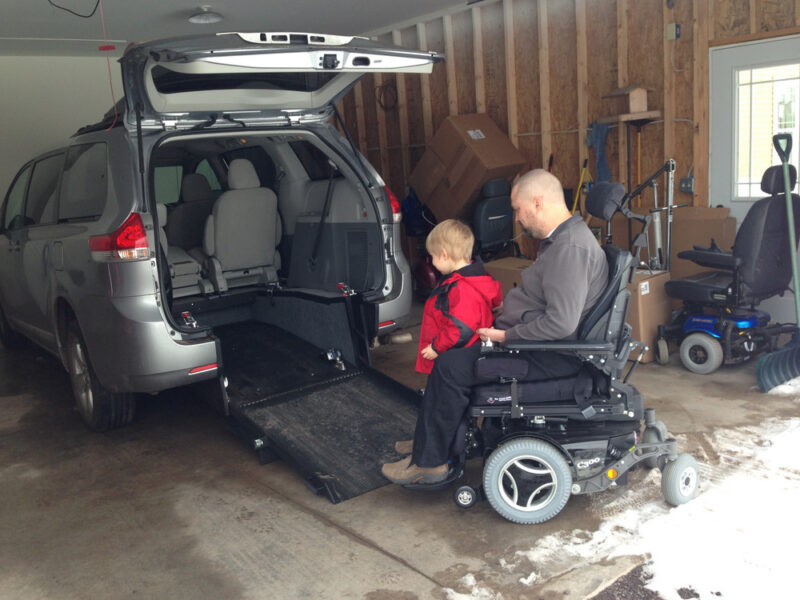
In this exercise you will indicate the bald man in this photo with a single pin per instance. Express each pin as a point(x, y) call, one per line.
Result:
point(557, 291)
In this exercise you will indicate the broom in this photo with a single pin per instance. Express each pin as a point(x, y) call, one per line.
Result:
point(776, 368)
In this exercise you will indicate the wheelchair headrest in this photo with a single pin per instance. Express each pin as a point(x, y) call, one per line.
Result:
point(772, 181)
point(604, 199)
point(496, 187)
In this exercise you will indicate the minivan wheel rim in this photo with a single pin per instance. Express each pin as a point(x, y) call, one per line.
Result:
point(527, 483)
point(81, 382)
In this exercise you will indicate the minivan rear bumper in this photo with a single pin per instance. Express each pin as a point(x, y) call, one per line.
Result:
point(132, 348)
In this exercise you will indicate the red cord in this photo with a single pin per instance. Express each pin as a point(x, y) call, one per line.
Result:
point(105, 47)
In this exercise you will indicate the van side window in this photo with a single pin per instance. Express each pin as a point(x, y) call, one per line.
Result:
point(84, 186)
point(15, 201)
point(314, 160)
point(40, 209)
point(204, 169)
point(167, 182)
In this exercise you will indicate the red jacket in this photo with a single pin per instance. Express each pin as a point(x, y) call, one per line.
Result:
point(460, 303)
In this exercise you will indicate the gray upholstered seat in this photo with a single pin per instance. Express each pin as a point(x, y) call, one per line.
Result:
point(243, 231)
point(188, 219)
point(184, 271)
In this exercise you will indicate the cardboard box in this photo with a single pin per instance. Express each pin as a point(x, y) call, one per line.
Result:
point(466, 152)
point(508, 271)
point(696, 226)
point(649, 307)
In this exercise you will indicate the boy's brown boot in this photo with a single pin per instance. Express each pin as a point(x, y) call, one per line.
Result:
point(403, 472)
point(404, 447)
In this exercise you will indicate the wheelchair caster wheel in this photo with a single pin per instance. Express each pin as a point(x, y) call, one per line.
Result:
point(662, 351)
point(680, 480)
point(654, 434)
point(465, 496)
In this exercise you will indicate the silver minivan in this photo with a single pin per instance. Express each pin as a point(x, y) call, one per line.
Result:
point(216, 198)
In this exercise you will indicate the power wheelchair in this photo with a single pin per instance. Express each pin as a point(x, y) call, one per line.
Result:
point(544, 440)
point(719, 322)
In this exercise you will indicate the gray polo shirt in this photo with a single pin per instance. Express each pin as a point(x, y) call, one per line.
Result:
point(559, 288)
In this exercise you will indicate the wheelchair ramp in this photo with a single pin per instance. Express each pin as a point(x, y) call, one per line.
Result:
point(334, 427)
point(338, 435)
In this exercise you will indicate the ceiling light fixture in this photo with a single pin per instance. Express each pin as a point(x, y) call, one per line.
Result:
point(206, 16)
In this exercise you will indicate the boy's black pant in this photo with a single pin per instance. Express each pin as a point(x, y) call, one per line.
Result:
point(447, 397)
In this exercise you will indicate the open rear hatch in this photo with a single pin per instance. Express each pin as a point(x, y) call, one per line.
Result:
point(252, 78)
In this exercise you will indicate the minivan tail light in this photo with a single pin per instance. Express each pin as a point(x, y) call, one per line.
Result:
point(129, 242)
point(397, 214)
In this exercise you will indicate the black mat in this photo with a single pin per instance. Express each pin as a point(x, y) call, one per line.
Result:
point(336, 428)
point(264, 362)
point(338, 436)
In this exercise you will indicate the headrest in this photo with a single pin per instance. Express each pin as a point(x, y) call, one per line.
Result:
point(195, 187)
point(604, 199)
point(496, 187)
point(242, 175)
point(161, 210)
point(772, 181)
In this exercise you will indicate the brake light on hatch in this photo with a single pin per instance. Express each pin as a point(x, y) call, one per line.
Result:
point(129, 242)
point(397, 214)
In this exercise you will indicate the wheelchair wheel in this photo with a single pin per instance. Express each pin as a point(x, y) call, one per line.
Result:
point(701, 353)
point(465, 496)
point(654, 434)
point(527, 481)
point(680, 480)
point(662, 351)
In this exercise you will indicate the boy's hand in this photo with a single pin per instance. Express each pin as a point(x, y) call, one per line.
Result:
point(498, 309)
point(490, 333)
point(429, 353)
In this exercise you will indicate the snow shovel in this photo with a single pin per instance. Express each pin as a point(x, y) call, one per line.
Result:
point(776, 368)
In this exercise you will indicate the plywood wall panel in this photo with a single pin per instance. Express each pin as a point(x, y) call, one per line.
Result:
point(526, 43)
point(731, 18)
point(681, 62)
point(494, 64)
point(416, 126)
point(350, 116)
point(563, 93)
point(464, 62)
point(601, 63)
point(438, 78)
point(772, 15)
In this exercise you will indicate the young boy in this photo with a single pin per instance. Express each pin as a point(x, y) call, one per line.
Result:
point(462, 301)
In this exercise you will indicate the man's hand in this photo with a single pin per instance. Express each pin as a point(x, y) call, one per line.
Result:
point(429, 353)
point(490, 333)
point(498, 309)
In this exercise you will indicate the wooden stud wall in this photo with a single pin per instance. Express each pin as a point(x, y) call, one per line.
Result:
point(539, 68)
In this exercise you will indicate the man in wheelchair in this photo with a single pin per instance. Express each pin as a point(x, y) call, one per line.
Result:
point(547, 409)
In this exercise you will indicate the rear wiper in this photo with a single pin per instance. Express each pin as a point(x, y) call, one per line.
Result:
point(212, 118)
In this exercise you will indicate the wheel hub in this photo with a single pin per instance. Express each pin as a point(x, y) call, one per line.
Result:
point(688, 482)
point(698, 355)
point(527, 483)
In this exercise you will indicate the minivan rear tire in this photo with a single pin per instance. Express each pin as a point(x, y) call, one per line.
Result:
point(100, 409)
point(8, 337)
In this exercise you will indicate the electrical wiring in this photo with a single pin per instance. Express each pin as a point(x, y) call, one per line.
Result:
point(69, 10)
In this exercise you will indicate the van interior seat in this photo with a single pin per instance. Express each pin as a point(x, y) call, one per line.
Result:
point(187, 220)
point(243, 231)
point(184, 271)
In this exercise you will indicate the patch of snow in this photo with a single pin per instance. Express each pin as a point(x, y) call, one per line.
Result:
point(790, 388)
point(730, 540)
point(476, 593)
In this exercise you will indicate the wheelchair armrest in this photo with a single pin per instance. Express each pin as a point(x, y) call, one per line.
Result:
point(560, 346)
point(712, 259)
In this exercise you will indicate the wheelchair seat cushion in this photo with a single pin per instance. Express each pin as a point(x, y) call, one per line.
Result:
point(708, 286)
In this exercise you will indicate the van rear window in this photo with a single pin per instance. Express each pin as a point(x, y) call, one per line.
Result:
point(172, 82)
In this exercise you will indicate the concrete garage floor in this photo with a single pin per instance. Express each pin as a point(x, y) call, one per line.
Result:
point(175, 506)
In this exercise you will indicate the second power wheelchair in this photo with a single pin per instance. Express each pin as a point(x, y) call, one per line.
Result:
point(543, 441)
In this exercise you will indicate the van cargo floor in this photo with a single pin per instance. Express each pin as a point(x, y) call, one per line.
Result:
point(336, 428)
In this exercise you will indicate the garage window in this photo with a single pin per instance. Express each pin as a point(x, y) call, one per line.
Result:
point(767, 104)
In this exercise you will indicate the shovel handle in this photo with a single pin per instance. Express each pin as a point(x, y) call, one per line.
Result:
point(783, 145)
